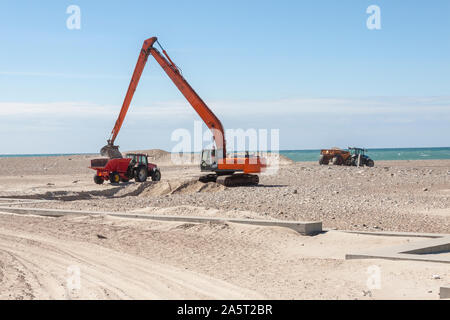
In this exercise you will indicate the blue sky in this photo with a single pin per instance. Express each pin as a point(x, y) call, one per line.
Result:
point(309, 68)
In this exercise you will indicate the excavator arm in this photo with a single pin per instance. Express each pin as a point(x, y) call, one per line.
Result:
point(208, 117)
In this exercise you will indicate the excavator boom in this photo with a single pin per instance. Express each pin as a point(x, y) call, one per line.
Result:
point(189, 93)
point(110, 150)
point(208, 117)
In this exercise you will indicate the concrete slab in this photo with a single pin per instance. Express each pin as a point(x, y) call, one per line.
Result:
point(428, 250)
point(444, 293)
point(20, 199)
point(399, 234)
point(304, 228)
point(12, 203)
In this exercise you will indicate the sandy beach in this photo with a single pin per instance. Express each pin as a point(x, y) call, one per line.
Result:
point(121, 258)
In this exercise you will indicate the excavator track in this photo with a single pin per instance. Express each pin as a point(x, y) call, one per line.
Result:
point(208, 178)
point(237, 180)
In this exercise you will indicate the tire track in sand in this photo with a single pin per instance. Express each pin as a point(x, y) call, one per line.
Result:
point(36, 267)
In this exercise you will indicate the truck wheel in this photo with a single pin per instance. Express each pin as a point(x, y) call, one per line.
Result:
point(141, 174)
point(98, 180)
point(156, 175)
point(337, 160)
point(114, 177)
point(370, 163)
point(322, 160)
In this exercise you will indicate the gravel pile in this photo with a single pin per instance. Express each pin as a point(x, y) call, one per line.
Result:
point(395, 196)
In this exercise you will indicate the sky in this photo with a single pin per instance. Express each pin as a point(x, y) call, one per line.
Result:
point(312, 69)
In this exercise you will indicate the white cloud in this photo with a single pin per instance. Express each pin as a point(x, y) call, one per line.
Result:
point(85, 109)
point(303, 123)
point(341, 106)
point(401, 106)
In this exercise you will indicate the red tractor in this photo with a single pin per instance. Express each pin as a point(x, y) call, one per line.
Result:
point(133, 166)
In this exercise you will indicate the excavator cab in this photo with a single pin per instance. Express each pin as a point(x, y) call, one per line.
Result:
point(209, 160)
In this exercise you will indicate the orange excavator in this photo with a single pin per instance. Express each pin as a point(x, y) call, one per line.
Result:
point(229, 171)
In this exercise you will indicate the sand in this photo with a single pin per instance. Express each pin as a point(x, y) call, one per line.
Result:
point(142, 259)
point(410, 196)
point(120, 258)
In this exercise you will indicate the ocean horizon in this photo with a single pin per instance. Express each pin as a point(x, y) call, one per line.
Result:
point(434, 153)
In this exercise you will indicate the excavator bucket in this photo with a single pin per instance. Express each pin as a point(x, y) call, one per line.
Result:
point(111, 151)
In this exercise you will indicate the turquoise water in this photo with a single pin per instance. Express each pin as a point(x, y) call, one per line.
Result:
point(378, 154)
point(313, 155)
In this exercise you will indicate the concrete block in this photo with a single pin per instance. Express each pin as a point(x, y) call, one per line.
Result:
point(427, 250)
point(444, 293)
point(304, 228)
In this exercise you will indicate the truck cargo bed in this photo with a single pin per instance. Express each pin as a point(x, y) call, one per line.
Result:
point(99, 163)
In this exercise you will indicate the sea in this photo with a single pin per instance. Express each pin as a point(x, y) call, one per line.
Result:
point(313, 155)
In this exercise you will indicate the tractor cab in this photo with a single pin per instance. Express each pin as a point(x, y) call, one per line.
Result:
point(357, 151)
point(137, 159)
point(140, 168)
point(360, 158)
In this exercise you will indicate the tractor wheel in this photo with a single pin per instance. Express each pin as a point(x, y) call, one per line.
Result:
point(337, 160)
point(141, 174)
point(98, 180)
point(114, 177)
point(156, 176)
point(322, 160)
point(370, 163)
